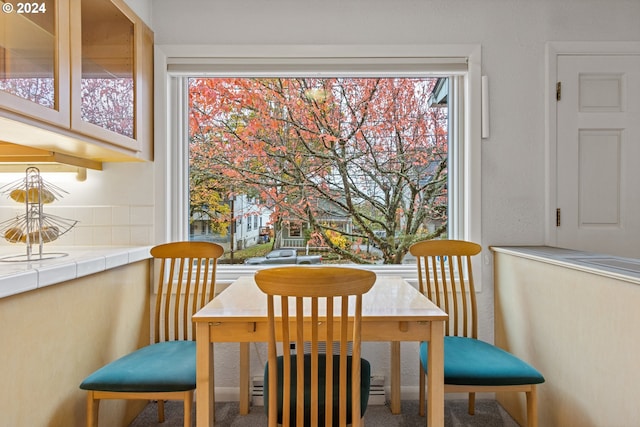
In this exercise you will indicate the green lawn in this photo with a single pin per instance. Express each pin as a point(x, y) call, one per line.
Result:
point(240, 255)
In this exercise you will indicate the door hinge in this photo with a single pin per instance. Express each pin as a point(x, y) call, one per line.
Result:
point(558, 91)
point(558, 217)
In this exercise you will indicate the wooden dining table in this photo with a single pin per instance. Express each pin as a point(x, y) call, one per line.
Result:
point(392, 311)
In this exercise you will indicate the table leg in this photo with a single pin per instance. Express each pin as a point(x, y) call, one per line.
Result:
point(205, 400)
point(245, 390)
point(395, 377)
point(435, 379)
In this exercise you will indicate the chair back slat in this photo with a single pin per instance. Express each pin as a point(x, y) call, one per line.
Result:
point(185, 284)
point(330, 338)
point(445, 277)
point(178, 304)
point(314, 307)
point(356, 351)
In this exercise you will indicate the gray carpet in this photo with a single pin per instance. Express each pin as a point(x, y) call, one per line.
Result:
point(488, 414)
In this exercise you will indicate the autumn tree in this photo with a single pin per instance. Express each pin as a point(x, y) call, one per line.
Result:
point(371, 149)
point(207, 200)
point(109, 103)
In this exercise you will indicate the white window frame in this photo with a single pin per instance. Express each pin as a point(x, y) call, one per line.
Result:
point(174, 62)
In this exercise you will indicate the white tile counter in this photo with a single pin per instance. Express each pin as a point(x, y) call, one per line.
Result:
point(23, 276)
point(620, 268)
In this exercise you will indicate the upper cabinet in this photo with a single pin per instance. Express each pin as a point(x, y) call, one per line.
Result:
point(76, 76)
point(35, 61)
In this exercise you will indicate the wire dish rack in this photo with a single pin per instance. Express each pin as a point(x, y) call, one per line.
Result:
point(34, 227)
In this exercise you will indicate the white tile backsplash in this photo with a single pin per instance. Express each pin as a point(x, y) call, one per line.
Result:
point(82, 235)
point(97, 225)
point(84, 216)
point(67, 238)
point(120, 235)
point(102, 236)
point(140, 235)
point(101, 215)
point(140, 215)
point(67, 212)
point(121, 215)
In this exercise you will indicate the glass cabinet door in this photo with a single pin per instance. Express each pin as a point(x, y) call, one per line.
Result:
point(34, 59)
point(107, 84)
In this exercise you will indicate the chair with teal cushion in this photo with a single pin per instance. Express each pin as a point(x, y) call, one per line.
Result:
point(474, 362)
point(365, 384)
point(320, 308)
point(165, 369)
point(470, 365)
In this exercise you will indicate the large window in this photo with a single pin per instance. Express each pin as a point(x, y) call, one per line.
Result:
point(355, 157)
point(352, 168)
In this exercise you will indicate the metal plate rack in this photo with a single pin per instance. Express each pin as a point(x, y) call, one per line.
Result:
point(34, 227)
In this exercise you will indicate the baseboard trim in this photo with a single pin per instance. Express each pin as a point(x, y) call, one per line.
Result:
point(232, 394)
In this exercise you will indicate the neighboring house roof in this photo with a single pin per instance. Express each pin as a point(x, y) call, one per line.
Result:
point(328, 210)
point(440, 95)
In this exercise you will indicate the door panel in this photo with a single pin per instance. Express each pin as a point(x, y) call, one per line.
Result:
point(598, 153)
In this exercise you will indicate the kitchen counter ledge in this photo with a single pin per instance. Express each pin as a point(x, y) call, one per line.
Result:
point(22, 276)
point(627, 269)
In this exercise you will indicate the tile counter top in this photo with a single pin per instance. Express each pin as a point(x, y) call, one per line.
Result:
point(627, 269)
point(78, 261)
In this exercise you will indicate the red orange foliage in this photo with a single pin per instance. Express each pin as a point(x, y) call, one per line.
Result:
point(369, 151)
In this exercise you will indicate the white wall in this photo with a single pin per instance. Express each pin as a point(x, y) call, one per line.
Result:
point(142, 8)
point(512, 33)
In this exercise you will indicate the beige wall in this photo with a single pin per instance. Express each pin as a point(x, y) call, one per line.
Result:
point(53, 337)
point(581, 331)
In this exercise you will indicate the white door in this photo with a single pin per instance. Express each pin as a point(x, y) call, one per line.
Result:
point(598, 153)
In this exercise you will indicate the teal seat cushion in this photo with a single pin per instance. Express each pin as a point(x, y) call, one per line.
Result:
point(165, 366)
point(365, 383)
point(469, 361)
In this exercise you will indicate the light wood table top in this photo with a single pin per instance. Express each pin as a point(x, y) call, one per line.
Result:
point(390, 296)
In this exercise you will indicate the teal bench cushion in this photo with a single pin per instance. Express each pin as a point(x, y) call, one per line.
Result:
point(365, 383)
point(469, 361)
point(165, 366)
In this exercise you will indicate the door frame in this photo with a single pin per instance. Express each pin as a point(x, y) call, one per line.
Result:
point(553, 50)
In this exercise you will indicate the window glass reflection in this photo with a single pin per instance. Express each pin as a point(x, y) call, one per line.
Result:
point(27, 52)
point(107, 85)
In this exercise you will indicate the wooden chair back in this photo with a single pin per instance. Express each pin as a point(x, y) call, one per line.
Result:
point(314, 304)
point(445, 276)
point(185, 283)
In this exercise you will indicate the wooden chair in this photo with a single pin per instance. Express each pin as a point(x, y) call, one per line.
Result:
point(470, 365)
point(166, 369)
point(320, 306)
